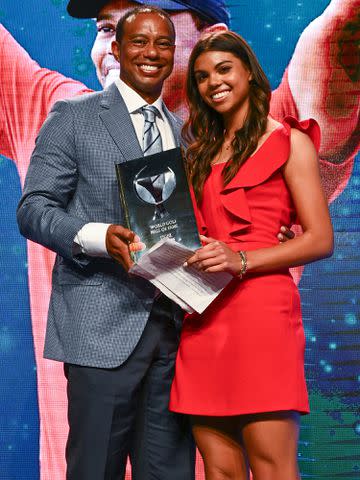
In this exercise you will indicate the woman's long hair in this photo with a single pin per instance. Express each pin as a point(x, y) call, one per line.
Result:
point(204, 129)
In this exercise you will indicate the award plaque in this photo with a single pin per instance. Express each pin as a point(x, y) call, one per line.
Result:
point(155, 198)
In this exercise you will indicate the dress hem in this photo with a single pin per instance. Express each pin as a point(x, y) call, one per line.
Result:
point(185, 411)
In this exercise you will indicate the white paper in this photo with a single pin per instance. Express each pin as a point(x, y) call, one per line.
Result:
point(163, 265)
point(137, 270)
point(182, 304)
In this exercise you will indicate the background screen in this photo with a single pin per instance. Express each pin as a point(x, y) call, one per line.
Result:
point(330, 435)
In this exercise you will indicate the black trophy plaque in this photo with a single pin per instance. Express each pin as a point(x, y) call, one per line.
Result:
point(155, 198)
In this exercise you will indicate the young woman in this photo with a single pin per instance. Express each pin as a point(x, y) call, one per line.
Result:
point(240, 365)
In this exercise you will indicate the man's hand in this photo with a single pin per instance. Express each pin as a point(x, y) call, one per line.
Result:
point(285, 234)
point(119, 242)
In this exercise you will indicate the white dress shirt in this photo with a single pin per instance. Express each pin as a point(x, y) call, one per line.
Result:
point(92, 237)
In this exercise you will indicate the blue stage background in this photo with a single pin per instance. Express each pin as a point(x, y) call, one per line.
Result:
point(330, 437)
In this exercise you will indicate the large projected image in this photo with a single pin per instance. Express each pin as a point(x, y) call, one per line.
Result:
point(311, 54)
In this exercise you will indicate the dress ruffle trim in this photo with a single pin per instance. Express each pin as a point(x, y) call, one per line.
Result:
point(252, 172)
point(202, 229)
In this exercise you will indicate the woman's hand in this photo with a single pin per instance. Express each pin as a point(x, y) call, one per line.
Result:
point(215, 256)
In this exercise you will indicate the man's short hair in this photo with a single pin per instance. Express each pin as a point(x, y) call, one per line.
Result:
point(144, 9)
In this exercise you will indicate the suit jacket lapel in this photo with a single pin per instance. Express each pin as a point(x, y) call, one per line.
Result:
point(116, 118)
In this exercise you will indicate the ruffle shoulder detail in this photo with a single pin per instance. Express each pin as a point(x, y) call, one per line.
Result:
point(273, 153)
point(268, 159)
point(309, 126)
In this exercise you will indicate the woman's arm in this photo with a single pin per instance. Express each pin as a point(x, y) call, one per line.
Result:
point(301, 173)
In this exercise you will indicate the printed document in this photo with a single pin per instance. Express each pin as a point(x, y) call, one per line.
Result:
point(163, 266)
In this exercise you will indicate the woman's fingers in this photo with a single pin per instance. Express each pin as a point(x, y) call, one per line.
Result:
point(203, 254)
point(207, 240)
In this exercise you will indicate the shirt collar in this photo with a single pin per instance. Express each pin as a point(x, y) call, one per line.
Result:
point(133, 101)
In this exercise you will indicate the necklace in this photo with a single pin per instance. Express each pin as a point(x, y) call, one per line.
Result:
point(224, 156)
point(227, 143)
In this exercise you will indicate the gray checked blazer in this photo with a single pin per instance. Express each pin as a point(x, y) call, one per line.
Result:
point(97, 311)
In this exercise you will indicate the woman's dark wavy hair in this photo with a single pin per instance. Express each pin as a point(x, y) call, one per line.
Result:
point(204, 128)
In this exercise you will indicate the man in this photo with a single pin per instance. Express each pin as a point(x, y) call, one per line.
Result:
point(117, 341)
point(28, 92)
point(191, 19)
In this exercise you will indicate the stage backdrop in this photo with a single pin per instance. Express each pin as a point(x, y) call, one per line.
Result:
point(330, 437)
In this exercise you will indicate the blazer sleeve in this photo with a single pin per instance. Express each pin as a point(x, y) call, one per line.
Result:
point(49, 186)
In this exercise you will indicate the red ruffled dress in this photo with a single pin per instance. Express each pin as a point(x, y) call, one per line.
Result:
point(245, 353)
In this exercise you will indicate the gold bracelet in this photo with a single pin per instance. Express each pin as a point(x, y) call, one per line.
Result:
point(243, 263)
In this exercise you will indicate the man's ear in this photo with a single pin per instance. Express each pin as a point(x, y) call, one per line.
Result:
point(217, 27)
point(115, 50)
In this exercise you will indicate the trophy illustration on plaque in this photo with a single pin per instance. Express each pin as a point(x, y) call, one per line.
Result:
point(155, 189)
point(155, 200)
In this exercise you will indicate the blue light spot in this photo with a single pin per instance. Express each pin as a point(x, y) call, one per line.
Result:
point(16, 249)
point(82, 67)
point(332, 346)
point(322, 362)
point(6, 342)
point(313, 339)
point(328, 368)
point(350, 319)
point(357, 427)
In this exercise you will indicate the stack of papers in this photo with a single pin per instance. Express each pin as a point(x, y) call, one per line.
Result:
point(163, 266)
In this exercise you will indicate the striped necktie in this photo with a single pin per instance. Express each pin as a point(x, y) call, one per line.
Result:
point(151, 139)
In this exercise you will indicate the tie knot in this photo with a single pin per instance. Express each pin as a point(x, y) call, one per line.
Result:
point(150, 112)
